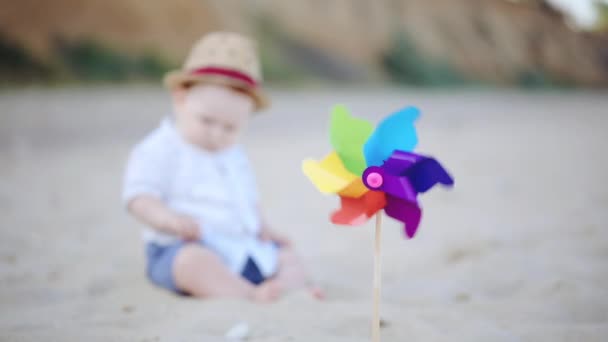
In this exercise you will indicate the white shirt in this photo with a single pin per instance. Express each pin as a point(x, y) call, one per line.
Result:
point(215, 188)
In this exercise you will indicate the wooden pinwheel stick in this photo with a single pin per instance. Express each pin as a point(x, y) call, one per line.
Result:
point(377, 279)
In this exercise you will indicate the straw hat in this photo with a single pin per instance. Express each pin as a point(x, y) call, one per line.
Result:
point(223, 58)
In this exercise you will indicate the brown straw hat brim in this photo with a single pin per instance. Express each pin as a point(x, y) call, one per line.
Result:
point(178, 78)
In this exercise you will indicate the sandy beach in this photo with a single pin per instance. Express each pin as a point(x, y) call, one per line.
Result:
point(517, 251)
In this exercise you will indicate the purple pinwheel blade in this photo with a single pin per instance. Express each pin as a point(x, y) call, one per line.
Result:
point(407, 212)
point(399, 187)
point(400, 161)
point(424, 174)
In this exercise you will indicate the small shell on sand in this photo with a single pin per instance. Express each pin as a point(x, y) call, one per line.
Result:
point(238, 332)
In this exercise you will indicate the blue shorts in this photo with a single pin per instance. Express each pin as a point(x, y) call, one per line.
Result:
point(160, 267)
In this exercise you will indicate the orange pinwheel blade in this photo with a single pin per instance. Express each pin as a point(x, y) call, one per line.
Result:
point(355, 189)
point(356, 211)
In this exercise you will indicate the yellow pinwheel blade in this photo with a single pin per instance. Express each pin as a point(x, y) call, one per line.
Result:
point(329, 175)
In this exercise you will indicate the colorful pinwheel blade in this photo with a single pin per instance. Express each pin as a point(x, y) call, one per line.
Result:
point(355, 189)
point(328, 175)
point(407, 212)
point(424, 174)
point(395, 132)
point(399, 187)
point(347, 135)
point(400, 161)
point(356, 211)
point(405, 174)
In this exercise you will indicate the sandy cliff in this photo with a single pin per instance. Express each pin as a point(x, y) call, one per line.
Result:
point(491, 40)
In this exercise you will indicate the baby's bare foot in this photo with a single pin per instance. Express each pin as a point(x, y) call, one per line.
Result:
point(268, 291)
point(316, 292)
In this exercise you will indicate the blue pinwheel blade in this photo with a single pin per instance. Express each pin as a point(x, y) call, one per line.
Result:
point(395, 132)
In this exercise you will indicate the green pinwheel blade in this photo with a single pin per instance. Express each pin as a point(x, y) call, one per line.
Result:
point(348, 135)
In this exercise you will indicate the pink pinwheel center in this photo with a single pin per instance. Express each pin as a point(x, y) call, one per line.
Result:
point(374, 179)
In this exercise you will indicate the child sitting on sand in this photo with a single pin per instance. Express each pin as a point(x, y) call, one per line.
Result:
point(191, 184)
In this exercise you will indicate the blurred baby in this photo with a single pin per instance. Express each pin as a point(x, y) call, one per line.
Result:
point(190, 183)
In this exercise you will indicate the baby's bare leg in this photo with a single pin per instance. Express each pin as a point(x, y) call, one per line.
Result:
point(200, 272)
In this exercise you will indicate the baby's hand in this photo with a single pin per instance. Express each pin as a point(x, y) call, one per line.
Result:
point(184, 226)
point(267, 234)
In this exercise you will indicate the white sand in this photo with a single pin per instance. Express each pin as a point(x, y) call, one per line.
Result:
point(518, 251)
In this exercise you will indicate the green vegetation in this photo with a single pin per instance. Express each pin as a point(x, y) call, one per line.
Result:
point(285, 59)
point(601, 23)
point(84, 60)
point(540, 79)
point(406, 65)
point(90, 61)
point(276, 66)
point(17, 64)
point(533, 79)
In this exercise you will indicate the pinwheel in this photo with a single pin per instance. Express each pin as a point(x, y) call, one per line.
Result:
point(375, 169)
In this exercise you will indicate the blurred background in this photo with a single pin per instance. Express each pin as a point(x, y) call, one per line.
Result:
point(525, 43)
point(514, 104)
